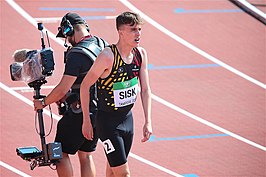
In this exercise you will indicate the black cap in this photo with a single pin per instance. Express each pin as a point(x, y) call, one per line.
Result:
point(74, 19)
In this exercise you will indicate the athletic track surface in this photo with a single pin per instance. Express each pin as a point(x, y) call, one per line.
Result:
point(207, 72)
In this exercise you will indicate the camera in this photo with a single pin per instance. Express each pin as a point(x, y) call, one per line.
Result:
point(47, 62)
point(32, 66)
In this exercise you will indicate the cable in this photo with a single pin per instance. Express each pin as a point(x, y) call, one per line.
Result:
point(51, 125)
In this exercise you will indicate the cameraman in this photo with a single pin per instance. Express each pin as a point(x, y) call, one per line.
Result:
point(77, 63)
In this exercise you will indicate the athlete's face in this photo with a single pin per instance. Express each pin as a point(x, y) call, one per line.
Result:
point(131, 34)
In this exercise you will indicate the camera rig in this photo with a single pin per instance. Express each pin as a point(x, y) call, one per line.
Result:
point(51, 153)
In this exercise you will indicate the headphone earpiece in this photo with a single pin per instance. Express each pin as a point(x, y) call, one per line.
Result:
point(67, 28)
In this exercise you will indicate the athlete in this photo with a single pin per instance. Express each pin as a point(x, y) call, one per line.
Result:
point(79, 59)
point(118, 71)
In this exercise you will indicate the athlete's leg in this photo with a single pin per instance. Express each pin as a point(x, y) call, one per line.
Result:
point(121, 171)
point(109, 172)
point(64, 167)
point(87, 166)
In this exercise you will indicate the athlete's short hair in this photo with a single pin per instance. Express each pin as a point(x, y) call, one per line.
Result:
point(128, 18)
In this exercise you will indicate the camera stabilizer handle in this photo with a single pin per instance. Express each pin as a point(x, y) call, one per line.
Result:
point(37, 87)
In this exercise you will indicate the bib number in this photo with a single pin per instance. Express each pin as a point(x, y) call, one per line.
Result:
point(125, 93)
point(108, 146)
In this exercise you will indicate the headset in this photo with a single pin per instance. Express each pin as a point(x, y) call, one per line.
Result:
point(68, 29)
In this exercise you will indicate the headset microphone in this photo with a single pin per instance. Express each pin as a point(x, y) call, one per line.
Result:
point(65, 44)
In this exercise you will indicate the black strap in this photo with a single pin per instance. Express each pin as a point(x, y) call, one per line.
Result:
point(91, 49)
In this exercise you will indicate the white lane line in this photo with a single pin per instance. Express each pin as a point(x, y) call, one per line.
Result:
point(190, 46)
point(31, 20)
point(28, 89)
point(253, 8)
point(26, 100)
point(3, 164)
point(34, 22)
point(58, 19)
point(178, 109)
point(154, 165)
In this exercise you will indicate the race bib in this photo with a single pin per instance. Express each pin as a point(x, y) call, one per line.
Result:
point(108, 146)
point(125, 93)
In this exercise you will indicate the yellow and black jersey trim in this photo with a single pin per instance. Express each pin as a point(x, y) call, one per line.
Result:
point(120, 72)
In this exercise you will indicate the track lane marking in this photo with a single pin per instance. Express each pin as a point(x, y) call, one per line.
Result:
point(190, 46)
point(3, 164)
point(83, 9)
point(205, 122)
point(253, 8)
point(58, 19)
point(200, 11)
point(153, 138)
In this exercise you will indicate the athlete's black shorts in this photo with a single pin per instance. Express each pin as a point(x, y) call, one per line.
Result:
point(69, 133)
point(115, 129)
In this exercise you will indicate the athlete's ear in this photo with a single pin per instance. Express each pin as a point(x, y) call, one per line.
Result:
point(121, 29)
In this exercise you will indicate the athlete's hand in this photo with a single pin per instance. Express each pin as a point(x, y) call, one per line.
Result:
point(87, 129)
point(147, 131)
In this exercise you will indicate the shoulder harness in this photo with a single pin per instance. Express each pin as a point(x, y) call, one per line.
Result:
point(90, 49)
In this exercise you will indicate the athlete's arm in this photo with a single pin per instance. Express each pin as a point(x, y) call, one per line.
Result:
point(145, 95)
point(100, 67)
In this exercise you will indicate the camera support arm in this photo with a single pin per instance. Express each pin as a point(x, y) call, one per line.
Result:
point(37, 87)
point(52, 152)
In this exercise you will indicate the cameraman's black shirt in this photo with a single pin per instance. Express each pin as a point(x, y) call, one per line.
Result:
point(78, 64)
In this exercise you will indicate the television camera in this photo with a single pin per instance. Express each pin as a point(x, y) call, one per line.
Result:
point(32, 66)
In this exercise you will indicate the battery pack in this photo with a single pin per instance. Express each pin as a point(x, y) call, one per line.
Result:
point(54, 151)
